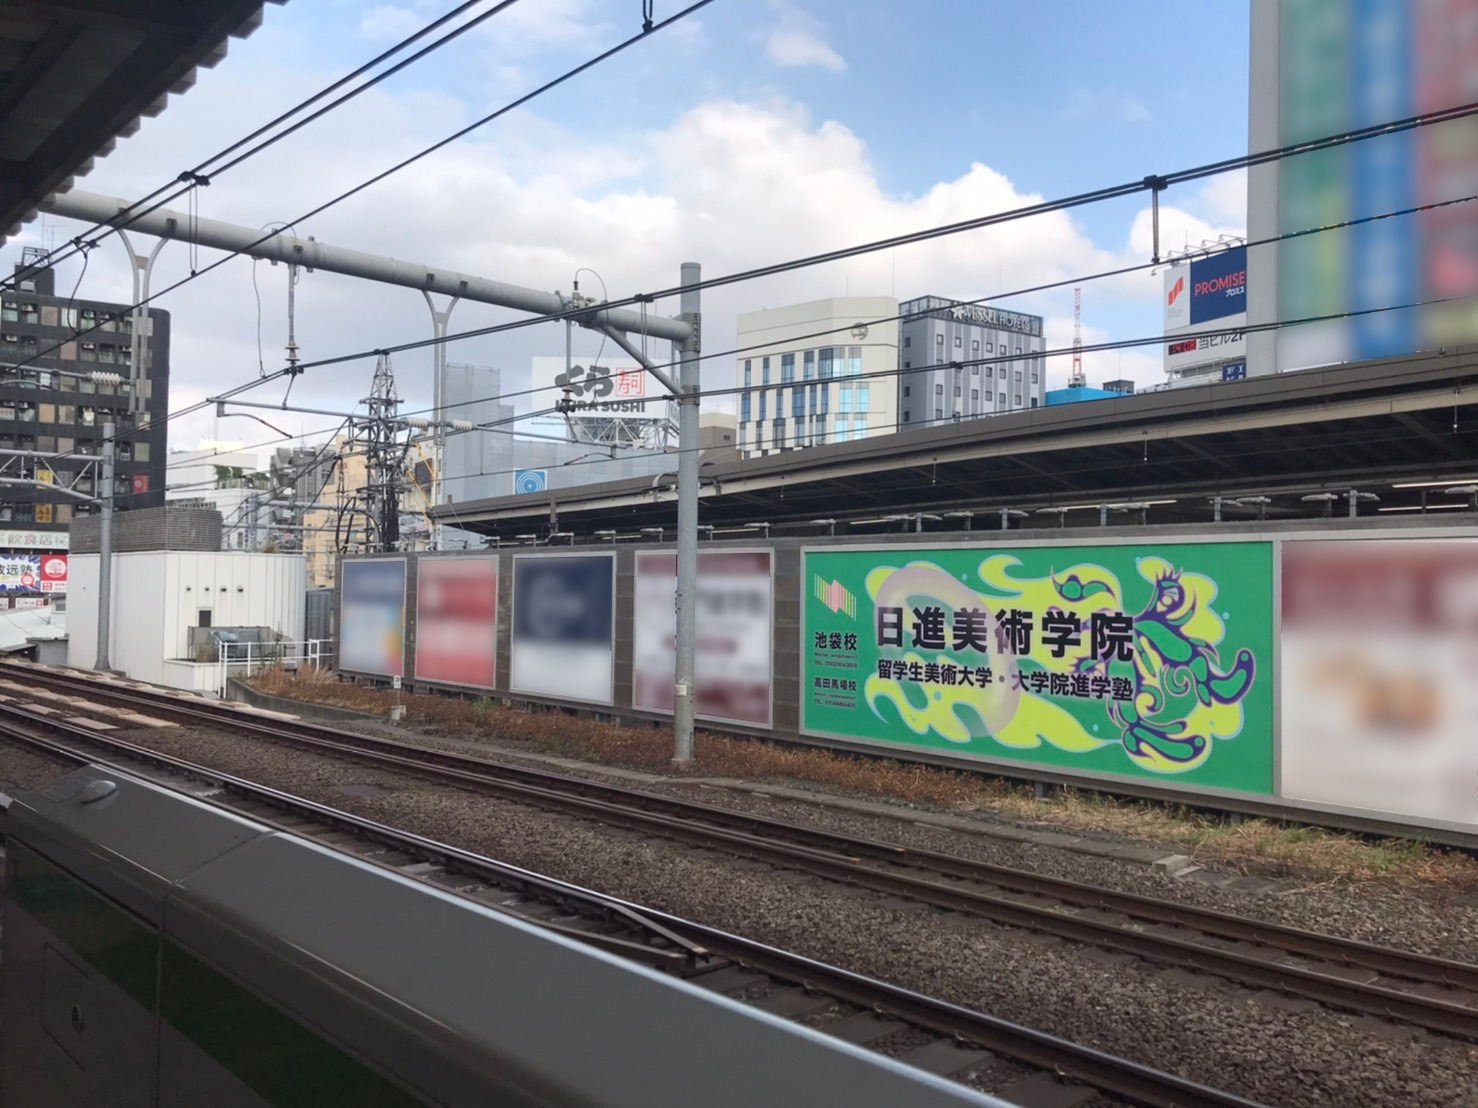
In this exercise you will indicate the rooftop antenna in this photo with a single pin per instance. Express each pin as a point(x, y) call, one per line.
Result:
point(1077, 380)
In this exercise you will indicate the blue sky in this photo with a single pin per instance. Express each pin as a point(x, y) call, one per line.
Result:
point(756, 131)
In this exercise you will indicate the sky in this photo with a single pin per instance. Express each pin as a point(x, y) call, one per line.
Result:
point(751, 132)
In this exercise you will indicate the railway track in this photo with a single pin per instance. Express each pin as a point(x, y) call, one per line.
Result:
point(1432, 993)
point(1030, 1067)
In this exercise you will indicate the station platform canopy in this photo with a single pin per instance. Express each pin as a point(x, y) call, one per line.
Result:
point(1285, 447)
point(77, 75)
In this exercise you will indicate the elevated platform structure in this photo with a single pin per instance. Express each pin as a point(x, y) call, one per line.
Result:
point(1404, 429)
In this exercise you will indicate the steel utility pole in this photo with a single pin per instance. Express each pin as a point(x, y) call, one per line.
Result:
point(684, 691)
point(105, 554)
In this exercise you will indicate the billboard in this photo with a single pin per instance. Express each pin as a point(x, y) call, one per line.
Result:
point(564, 608)
point(1324, 67)
point(457, 620)
point(1208, 294)
point(732, 655)
point(1379, 677)
point(33, 573)
point(530, 480)
point(609, 389)
point(372, 616)
point(1148, 661)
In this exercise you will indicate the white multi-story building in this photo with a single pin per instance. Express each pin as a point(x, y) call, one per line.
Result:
point(961, 361)
point(816, 373)
point(223, 476)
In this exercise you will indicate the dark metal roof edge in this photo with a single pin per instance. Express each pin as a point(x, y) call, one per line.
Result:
point(241, 20)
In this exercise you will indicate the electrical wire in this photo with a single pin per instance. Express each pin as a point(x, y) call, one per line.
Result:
point(1188, 174)
point(1028, 211)
point(397, 167)
point(1067, 282)
point(202, 173)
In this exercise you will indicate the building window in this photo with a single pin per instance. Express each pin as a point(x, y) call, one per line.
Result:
point(787, 368)
point(906, 415)
point(89, 352)
point(825, 399)
point(1034, 376)
point(748, 373)
point(1001, 399)
point(1018, 400)
point(764, 405)
point(30, 313)
point(1034, 402)
point(938, 413)
point(809, 368)
point(975, 346)
point(9, 313)
point(844, 404)
point(854, 361)
point(759, 439)
point(826, 363)
point(959, 341)
point(742, 437)
point(812, 402)
point(905, 390)
point(1018, 376)
point(744, 407)
point(939, 339)
point(939, 392)
point(908, 365)
point(975, 400)
point(780, 434)
point(907, 341)
point(990, 348)
point(798, 403)
point(765, 371)
point(1018, 350)
point(864, 397)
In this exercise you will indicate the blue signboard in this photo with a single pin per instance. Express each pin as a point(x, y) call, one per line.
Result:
point(1219, 286)
point(372, 617)
point(530, 480)
point(563, 625)
point(1234, 371)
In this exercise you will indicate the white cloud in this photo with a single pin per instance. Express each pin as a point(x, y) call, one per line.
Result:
point(1133, 110)
point(388, 22)
point(796, 49)
point(531, 202)
point(796, 41)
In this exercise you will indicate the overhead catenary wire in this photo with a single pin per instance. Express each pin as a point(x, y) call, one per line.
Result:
point(1193, 173)
point(462, 132)
point(1066, 282)
point(202, 173)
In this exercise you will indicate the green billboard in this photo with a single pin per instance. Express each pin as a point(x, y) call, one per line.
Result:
point(1148, 661)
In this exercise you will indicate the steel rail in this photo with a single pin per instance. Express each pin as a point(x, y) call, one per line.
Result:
point(1121, 1077)
point(841, 858)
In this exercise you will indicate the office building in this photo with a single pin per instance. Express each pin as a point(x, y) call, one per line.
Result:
point(56, 401)
point(963, 361)
point(816, 373)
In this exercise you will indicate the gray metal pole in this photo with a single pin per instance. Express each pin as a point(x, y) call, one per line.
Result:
point(312, 254)
point(687, 521)
point(105, 554)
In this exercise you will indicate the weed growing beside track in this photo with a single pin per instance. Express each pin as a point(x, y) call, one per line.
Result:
point(1252, 844)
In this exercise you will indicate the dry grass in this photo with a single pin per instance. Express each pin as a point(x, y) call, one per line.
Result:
point(1253, 844)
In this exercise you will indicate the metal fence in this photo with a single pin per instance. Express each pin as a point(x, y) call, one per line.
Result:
point(244, 659)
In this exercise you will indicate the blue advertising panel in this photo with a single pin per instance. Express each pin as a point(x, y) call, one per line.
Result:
point(563, 626)
point(1219, 286)
point(372, 616)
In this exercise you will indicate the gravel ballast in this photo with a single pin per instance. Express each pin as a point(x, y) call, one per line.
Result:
point(1267, 1048)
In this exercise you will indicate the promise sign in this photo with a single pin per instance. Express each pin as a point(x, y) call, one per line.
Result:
point(457, 620)
point(1141, 661)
